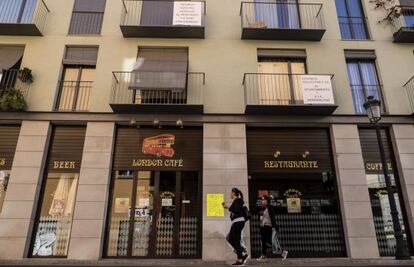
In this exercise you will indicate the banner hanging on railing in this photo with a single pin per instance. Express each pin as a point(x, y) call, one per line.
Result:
point(187, 13)
point(317, 89)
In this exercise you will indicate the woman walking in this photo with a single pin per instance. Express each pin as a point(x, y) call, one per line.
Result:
point(238, 221)
point(268, 229)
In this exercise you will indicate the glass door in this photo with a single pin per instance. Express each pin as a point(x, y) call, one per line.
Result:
point(154, 215)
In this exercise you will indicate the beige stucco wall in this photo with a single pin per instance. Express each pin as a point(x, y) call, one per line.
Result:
point(222, 55)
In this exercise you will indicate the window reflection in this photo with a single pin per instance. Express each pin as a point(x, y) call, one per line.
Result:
point(55, 222)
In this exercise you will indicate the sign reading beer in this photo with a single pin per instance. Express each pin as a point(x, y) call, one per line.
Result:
point(289, 150)
point(155, 149)
point(64, 164)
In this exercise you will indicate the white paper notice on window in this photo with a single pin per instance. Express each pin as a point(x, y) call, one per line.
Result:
point(187, 13)
point(317, 90)
point(166, 202)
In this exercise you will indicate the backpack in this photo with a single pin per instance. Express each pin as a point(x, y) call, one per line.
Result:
point(246, 213)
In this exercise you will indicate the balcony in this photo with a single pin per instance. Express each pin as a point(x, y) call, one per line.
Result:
point(282, 21)
point(14, 89)
point(74, 96)
point(23, 17)
point(157, 92)
point(288, 94)
point(409, 86)
point(163, 19)
point(402, 20)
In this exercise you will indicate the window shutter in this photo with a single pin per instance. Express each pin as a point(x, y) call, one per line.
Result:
point(76, 55)
point(360, 54)
point(87, 17)
point(281, 53)
point(9, 56)
point(161, 68)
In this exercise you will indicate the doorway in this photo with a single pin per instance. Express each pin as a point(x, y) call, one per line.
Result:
point(155, 214)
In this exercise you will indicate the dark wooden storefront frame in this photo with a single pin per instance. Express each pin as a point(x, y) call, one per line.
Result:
point(156, 174)
point(39, 203)
point(333, 170)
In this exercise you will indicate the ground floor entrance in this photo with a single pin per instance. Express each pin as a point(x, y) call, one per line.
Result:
point(307, 213)
point(155, 214)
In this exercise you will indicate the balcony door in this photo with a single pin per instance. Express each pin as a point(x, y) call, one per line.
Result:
point(17, 11)
point(75, 88)
point(278, 14)
point(364, 82)
point(279, 82)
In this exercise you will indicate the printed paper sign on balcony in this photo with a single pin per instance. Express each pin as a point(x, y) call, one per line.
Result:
point(187, 13)
point(317, 89)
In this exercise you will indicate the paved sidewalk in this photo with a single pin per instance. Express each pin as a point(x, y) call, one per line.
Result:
point(344, 262)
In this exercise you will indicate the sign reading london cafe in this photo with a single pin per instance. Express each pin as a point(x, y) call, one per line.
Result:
point(162, 147)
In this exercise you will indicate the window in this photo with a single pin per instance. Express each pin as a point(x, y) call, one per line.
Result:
point(77, 78)
point(351, 19)
point(17, 11)
point(10, 60)
point(53, 222)
point(160, 76)
point(364, 82)
point(282, 14)
point(87, 17)
point(279, 77)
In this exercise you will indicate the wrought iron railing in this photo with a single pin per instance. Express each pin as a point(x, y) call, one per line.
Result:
point(274, 88)
point(401, 17)
point(353, 27)
point(360, 93)
point(13, 80)
point(277, 15)
point(161, 14)
point(409, 86)
point(24, 12)
point(74, 95)
point(125, 89)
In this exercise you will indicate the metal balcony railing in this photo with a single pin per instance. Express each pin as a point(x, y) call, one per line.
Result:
point(12, 80)
point(126, 91)
point(269, 89)
point(409, 86)
point(155, 13)
point(267, 15)
point(24, 12)
point(402, 17)
point(74, 96)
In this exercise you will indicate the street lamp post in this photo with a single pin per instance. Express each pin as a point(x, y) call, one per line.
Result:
point(373, 108)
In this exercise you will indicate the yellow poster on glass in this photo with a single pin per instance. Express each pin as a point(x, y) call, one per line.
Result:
point(214, 205)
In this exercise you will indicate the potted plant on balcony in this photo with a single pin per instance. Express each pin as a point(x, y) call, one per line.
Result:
point(12, 100)
point(25, 75)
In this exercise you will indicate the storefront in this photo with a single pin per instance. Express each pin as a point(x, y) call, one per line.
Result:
point(156, 177)
point(8, 142)
point(294, 167)
point(378, 192)
point(53, 223)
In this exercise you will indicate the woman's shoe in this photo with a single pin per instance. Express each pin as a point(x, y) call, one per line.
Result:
point(263, 257)
point(284, 254)
point(245, 258)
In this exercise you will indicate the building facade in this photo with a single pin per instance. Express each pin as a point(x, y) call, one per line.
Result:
point(124, 121)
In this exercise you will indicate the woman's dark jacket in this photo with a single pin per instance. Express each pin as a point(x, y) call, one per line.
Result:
point(236, 208)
